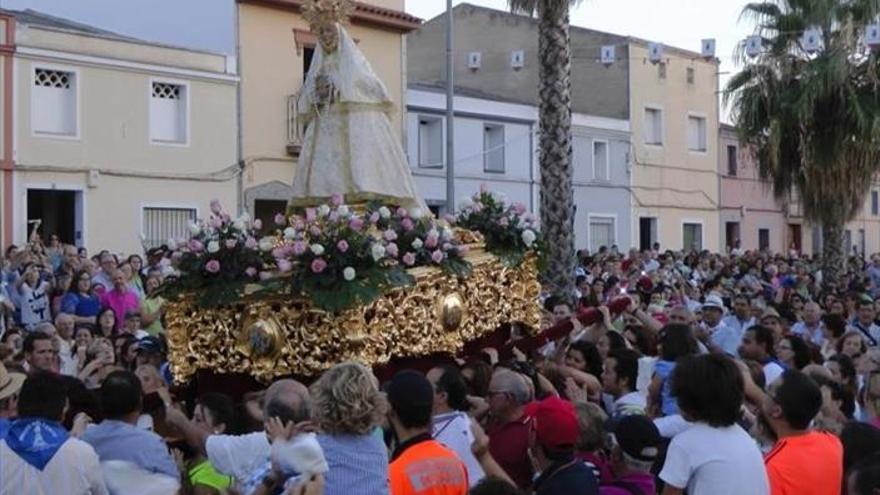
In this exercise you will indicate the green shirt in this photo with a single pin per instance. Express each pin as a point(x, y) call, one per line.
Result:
point(151, 305)
point(205, 474)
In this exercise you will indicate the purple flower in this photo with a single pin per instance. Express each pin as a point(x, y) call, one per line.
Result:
point(212, 266)
point(356, 224)
point(342, 246)
point(484, 188)
point(299, 247)
point(374, 217)
point(196, 246)
point(215, 222)
point(389, 235)
point(230, 243)
point(407, 224)
point(250, 271)
point(311, 214)
point(504, 222)
point(409, 259)
point(431, 242)
point(391, 250)
point(284, 266)
point(334, 217)
point(315, 231)
point(299, 224)
point(519, 208)
point(258, 224)
point(437, 256)
point(250, 243)
point(402, 213)
point(278, 252)
point(318, 265)
point(463, 250)
point(216, 208)
point(280, 219)
point(336, 199)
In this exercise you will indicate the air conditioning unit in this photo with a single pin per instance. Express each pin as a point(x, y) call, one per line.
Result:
point(607, 55)
point(753, 46)
point(872, 35)
point(517, 59)
point(812, 39)
point(655, 52)
point(708, 48)
point(474, 59)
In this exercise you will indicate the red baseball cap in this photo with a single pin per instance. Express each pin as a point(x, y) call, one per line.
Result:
point(556, 424)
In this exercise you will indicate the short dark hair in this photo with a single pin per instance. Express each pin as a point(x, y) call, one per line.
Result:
point(799, 397)
point(859, 441)
point(43, 395)
point(626, 365)
point(709, 388)
point(591, 356)
point(866, 475)
point(222, 409)
point(411, 397)
point(677, 340)
point(121, 394)
point(835, 323)
point(452, 383)
point(764, 337)
point(847, 368)
point(802, 354)
point(31, 338)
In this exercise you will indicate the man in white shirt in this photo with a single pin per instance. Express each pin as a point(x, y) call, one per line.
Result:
point(38, 456)
point(619, 378)
point(757, 345)
point(715, 333)
point(741, 318)
point(811, 329)
point(864, 322)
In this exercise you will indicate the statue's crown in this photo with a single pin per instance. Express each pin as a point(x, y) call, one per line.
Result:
point(323, 12)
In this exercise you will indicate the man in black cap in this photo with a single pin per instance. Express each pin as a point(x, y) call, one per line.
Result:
point(636, 445)
point(420, 465)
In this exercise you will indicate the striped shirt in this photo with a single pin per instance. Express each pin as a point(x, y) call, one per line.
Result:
point(73, 470)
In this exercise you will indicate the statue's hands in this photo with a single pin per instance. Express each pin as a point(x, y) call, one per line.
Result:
point(323, 88)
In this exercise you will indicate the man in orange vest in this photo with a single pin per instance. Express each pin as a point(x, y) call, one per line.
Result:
point(420, 465)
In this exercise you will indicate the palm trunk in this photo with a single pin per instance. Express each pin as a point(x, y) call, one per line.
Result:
point(557, 198)
point(833, 257)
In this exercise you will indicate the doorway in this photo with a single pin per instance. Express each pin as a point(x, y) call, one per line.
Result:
point(794, 237)
point(731, 234)
point(647, 233)
point(59, 212)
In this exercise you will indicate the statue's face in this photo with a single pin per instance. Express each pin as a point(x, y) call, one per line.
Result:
point(328, 35)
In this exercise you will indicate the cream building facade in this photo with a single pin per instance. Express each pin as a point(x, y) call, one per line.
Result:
point(275, 50)
point(115, 139)
point(674, 116)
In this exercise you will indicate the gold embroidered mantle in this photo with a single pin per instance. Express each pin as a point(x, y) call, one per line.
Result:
point(268, 338)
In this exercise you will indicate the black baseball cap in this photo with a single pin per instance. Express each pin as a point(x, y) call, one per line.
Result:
point(637, 436)
point(150, 345)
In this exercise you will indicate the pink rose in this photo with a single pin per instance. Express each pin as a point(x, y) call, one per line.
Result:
point(342, 246)
point(315, 231)
point(299, 247)
point(431, 242)
point(356, 224)
point(402, 213)
point(215, 222)
point(250, 243)
point(334, 217)
point(318, 265)
point(409, 259)
point(280, 219)
point(437, 256)
point(278, 252)
point(407, 224)
point(528, 217)
point(212, 266)
point(250, 271)
point(336, 199)
point(230, 243)
point(258, 224)
point(504, 222)
point(284, 266)
point(389, 235)
point(484, 188)
point(311, 214)
point(216, 208)
point(374, 217)
point(196, 246)
point(519, 208)
point(391, 250)
point(299, 224)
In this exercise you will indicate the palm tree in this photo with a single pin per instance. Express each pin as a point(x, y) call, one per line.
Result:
point(554, 141)
point(813, 117)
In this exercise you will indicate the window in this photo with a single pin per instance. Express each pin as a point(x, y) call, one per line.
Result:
point(731, 160)
point(430, 142)
point(308, 55)
point(653, 126)
point(690, 75)
point(493, 148)
point(600, 160)
point(692, 237)
point(696, 133)
point(168, 113)
point(161, 224)
point(53, 102)
point(875, 203)
point(763, 239)
point(601, 233)
point(661, 70)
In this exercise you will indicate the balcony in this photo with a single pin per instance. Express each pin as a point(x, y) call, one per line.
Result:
point(294, 127)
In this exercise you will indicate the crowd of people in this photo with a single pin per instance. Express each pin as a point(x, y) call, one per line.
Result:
point(667, 373)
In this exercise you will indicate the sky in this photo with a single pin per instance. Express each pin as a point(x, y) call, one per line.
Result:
point(207, 24)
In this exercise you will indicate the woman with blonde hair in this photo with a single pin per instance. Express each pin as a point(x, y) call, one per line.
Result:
point(348, 408)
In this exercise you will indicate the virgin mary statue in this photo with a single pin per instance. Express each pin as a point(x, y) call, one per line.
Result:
point(349, 146)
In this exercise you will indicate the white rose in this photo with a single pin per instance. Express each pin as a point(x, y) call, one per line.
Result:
point(323, 210)
point(500, 197)
point(416, 213)
point(417, 244)
point(172, 244)
point(528, 237)
point(244, 218)
point(239, 225)
point(194, 228)
point(317, 249)
point(466, 203)
point(384, 212)
point(343, 211)
point(378, 252)
point(267, 244)
point(289, 233)
point(348, 273)
point(213, 247)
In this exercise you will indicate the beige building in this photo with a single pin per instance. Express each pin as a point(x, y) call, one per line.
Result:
point(275, 50)
point(114, 138)
point(674, 116)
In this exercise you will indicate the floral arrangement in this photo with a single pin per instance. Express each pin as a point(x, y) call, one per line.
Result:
point(510, 231)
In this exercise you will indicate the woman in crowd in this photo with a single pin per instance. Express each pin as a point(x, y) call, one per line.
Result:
point(852, 344)
point(833, 328)
point(584, 356)
point(676, 341)
point(80, 301)
point(133, 281)
point(100, 362)
point(106, 323)
point(152, 307)
point(793, 352)
point(215, 415)
point(33, 288)
point(126, 351)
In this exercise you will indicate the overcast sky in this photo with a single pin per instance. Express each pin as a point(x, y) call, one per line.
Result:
point(207, 24)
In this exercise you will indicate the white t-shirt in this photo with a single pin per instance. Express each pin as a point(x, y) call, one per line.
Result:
point(454, 431)
point(772, 371)
point(34, 304)
point(238, 455)
point(715, 461)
